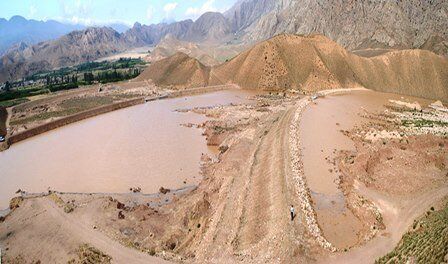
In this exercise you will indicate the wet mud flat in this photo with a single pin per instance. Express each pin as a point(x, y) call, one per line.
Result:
point(322, 131)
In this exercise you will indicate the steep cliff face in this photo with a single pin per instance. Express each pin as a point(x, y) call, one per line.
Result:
point(356, 24)
point(210, 27)
point(246, 12)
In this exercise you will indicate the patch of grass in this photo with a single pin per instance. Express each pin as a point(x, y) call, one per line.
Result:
point(82, 103)
point(13, 102)
point(423, 123)
point(43, 116)
point(426, 243)
point(69, 107)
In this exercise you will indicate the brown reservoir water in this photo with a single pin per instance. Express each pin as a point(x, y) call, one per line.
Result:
point(141, 146)
point(321, 136)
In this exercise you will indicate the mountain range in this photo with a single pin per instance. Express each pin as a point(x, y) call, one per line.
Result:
point(18, 31)
point(354, 24)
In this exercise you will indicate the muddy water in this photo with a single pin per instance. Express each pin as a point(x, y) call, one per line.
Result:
point(321, 136)
point(142, 146)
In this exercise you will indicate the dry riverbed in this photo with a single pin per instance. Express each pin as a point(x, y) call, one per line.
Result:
point(239, 212)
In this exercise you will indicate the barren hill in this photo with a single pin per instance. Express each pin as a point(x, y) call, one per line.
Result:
point(315, 62)
point(178, 71)
point(312, 63)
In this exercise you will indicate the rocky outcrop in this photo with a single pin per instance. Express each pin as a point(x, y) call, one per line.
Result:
point(210, 27)
point(353, 24)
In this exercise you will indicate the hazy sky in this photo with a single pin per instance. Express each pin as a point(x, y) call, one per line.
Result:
point(93, 12)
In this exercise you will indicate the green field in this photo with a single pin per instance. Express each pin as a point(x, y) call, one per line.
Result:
point(70, 78)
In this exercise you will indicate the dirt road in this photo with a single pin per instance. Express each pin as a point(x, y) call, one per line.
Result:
point(251, 216)
point(59, 235)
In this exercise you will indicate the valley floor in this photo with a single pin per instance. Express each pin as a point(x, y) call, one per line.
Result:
point(395, 170)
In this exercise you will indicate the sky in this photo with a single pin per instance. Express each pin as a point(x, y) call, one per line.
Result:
point(101, 12)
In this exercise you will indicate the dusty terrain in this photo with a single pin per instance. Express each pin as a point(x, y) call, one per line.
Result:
point(240, 210)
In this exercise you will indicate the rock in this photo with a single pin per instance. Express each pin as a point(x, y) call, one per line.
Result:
point(127, 231)
point(223, 148)
point(163, 190)
point(437, 103)
point(120, 215)
point(120, 206)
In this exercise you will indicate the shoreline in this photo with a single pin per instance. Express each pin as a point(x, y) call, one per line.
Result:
point(52, 125)
point(261, 163)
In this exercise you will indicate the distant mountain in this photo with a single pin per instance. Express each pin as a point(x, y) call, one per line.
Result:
point(355, 25)
point(73, 48)
point(18, 29)
point(120, 28)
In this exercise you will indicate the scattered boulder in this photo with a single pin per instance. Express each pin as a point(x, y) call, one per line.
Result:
point(223, 148)
point(120, 206)
point(163, 190)
point(120, 215)
point(135, 189)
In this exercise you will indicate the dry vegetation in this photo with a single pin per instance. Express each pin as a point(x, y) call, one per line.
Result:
point(89, 255)
point(426, 242)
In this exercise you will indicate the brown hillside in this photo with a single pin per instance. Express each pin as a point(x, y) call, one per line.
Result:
point(178, 71)
point(314, 63)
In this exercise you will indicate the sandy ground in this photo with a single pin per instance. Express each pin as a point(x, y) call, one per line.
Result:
point(240, 210)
